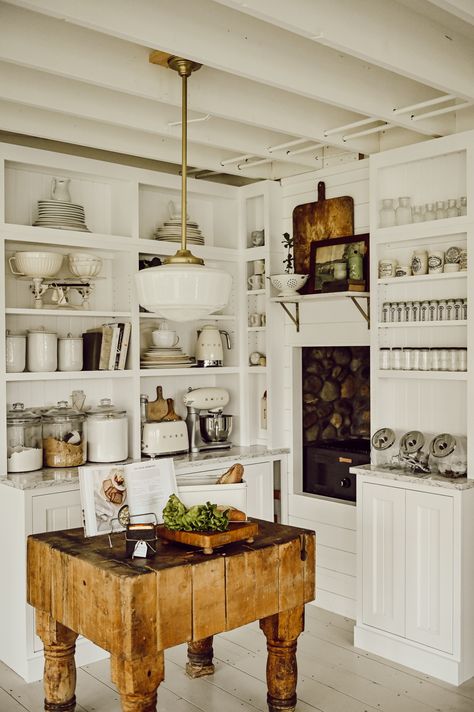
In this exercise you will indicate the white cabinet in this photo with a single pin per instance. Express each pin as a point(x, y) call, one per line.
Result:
point(259, 478)
point(416, 576)
point(383, 544)
point(429, 569)
point(52, 512)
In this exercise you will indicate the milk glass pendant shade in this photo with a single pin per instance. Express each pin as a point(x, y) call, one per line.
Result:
point(183, 289)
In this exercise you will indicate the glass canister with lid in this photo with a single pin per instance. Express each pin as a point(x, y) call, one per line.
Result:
point(107, 433)
point(64, 439)
point(24, 440)
point(384, 450)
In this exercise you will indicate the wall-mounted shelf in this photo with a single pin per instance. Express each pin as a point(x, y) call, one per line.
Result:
point(422, 324)
point(423, 375)
point(193, 372)
point(303, 298)
point(207, 319)
point(65, 375)
point(423, 278)
point(68, 312)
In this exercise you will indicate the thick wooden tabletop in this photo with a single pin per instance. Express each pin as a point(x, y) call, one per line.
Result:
point(130, 607)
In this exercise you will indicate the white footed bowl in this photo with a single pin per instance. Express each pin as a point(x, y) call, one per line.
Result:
point(89, 267)
point(288, 284)
point(36, 264)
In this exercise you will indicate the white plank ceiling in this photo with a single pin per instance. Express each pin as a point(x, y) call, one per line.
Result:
point(286, 87)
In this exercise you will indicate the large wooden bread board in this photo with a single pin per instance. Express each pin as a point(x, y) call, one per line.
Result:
point(319, 220)
point(237, 531)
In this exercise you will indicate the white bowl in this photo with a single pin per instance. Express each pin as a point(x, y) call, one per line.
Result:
point(85, 268)
point(36, 264)
point(82, 257)
point(288, 284)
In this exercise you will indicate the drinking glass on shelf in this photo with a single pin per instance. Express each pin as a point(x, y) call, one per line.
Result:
point(424, 360)
point(430, 213)
point(435, 359)
point(384, 358)
point(418, 214)
point(396, 358)
point(462, 359)
point(403, 211)
point(441, 211)
point(387, 213)
point(453, 360)
point(407, 359)
point(463, 205)
point(443, 359)
point(452, 211)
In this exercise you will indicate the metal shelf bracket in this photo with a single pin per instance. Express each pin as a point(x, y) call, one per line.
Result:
point(295, 318)
point(365, 312)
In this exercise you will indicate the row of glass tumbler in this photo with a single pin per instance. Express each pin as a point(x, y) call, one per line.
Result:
point(404, 213)
point(423, 359)
point(433, 310)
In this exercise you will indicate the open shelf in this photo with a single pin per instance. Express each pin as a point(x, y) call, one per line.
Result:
point(68, 312)
point(423, 324)
point(211, 317)
point(414, 231)
point(301, 298)
point(423, 278)
point(55, 236)
point(192, 372)
point(66, 375)
point(423, 375)
point(160, 247)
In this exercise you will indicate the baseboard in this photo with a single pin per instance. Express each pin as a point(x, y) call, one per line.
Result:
point(410, 655)
point(86, 653)
point(335, 603)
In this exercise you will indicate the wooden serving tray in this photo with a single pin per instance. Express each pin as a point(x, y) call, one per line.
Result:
point(208, 541)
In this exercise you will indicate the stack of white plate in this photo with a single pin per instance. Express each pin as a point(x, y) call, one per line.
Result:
point(61, 215)
point(173, 357)
point(171, 232)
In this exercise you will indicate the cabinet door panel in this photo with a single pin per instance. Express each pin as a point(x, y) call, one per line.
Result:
point(429, 566)
point(52, 512)
point(259, 479)
point(383, 557)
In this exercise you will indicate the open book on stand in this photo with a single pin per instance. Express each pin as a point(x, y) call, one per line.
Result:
point(109, 493)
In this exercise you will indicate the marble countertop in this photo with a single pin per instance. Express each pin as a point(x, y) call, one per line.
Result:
point(427, 480)
point(54, 477)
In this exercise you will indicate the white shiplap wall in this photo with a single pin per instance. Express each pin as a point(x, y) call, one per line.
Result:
point(328, 323)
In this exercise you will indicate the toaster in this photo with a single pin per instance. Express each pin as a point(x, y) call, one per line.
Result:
point(165, 438)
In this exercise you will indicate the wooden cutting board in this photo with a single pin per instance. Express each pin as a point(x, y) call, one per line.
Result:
point(157, 409)
point(208, 541)
point(319, 221)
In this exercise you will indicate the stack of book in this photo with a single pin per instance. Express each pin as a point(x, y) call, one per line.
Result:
point(106, 347)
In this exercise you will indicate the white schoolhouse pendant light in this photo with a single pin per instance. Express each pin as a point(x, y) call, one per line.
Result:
point(183, 288)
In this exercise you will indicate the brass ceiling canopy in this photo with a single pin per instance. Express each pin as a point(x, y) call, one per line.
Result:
point(184, 67)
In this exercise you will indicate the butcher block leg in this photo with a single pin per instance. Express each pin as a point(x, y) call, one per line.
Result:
point(282, 631)
point(59, 666)
point(137, 681)
point(200, 654)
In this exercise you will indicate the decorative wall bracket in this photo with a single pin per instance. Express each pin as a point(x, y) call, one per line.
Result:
point(60, 291)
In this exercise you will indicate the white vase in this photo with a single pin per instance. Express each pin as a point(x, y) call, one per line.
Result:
point(60, 190)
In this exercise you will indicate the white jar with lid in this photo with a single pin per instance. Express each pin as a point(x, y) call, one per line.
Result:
point(70, 353)
point(42, 350)
point(15, 352)
point(107, 433)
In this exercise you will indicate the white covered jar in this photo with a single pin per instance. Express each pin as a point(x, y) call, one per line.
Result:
point(24, 440)
point(15, 352)
point(107, 433)
point(42, 350)
point(70, 353)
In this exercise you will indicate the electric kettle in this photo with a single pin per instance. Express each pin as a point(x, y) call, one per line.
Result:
point(209, 351)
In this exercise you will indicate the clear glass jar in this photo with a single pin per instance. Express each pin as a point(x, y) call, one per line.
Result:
point(396, 358)
point(443, 359)
point(384, 451)
point(387, 213)
point(64, 440)
point(107, 433)
point(403, 211)
point(453, 360)
point(462, 359)
point(452, 211)
point(441, 210)
point(430, 213)
point(407, 359)
point(448, 455)
point(433, 310)
point(417, 214)
point(415, 310)
point(424, 363)
point(450, 312)
point(24, 440)
point(463, 205)
point(435, 360)
point(384, 359)
point(424, 311)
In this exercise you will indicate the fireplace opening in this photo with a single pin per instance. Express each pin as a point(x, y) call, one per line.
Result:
point(336, 418)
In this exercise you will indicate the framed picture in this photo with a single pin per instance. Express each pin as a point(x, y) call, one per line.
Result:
point(339, 264)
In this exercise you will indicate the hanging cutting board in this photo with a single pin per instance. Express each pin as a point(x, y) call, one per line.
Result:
point(319, 221)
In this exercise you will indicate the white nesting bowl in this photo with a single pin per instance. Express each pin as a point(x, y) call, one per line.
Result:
point(82, 257)
point(288, 284)
point(89, 267)
point(36, 264)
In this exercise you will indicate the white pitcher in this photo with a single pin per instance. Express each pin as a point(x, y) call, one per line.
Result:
point(60, 190)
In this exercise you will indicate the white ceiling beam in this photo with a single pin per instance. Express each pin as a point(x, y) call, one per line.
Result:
point(55, 126)
point(32, 88)
point(386, 34)
point(241, 45)
point(463, 9)
point(122, 66)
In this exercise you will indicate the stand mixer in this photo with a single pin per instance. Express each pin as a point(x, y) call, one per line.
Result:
point(212, 430)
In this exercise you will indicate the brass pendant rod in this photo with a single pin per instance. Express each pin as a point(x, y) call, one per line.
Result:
point(184, 158)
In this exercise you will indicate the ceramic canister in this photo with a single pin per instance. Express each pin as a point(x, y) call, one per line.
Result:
point(42, 350)
point(15, 352)
point(435, 261)
point(70, 353)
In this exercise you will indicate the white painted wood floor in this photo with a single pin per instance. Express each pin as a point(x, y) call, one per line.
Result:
point(333, 677)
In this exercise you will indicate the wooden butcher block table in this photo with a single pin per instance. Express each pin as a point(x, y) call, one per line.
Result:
point(136, 609)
